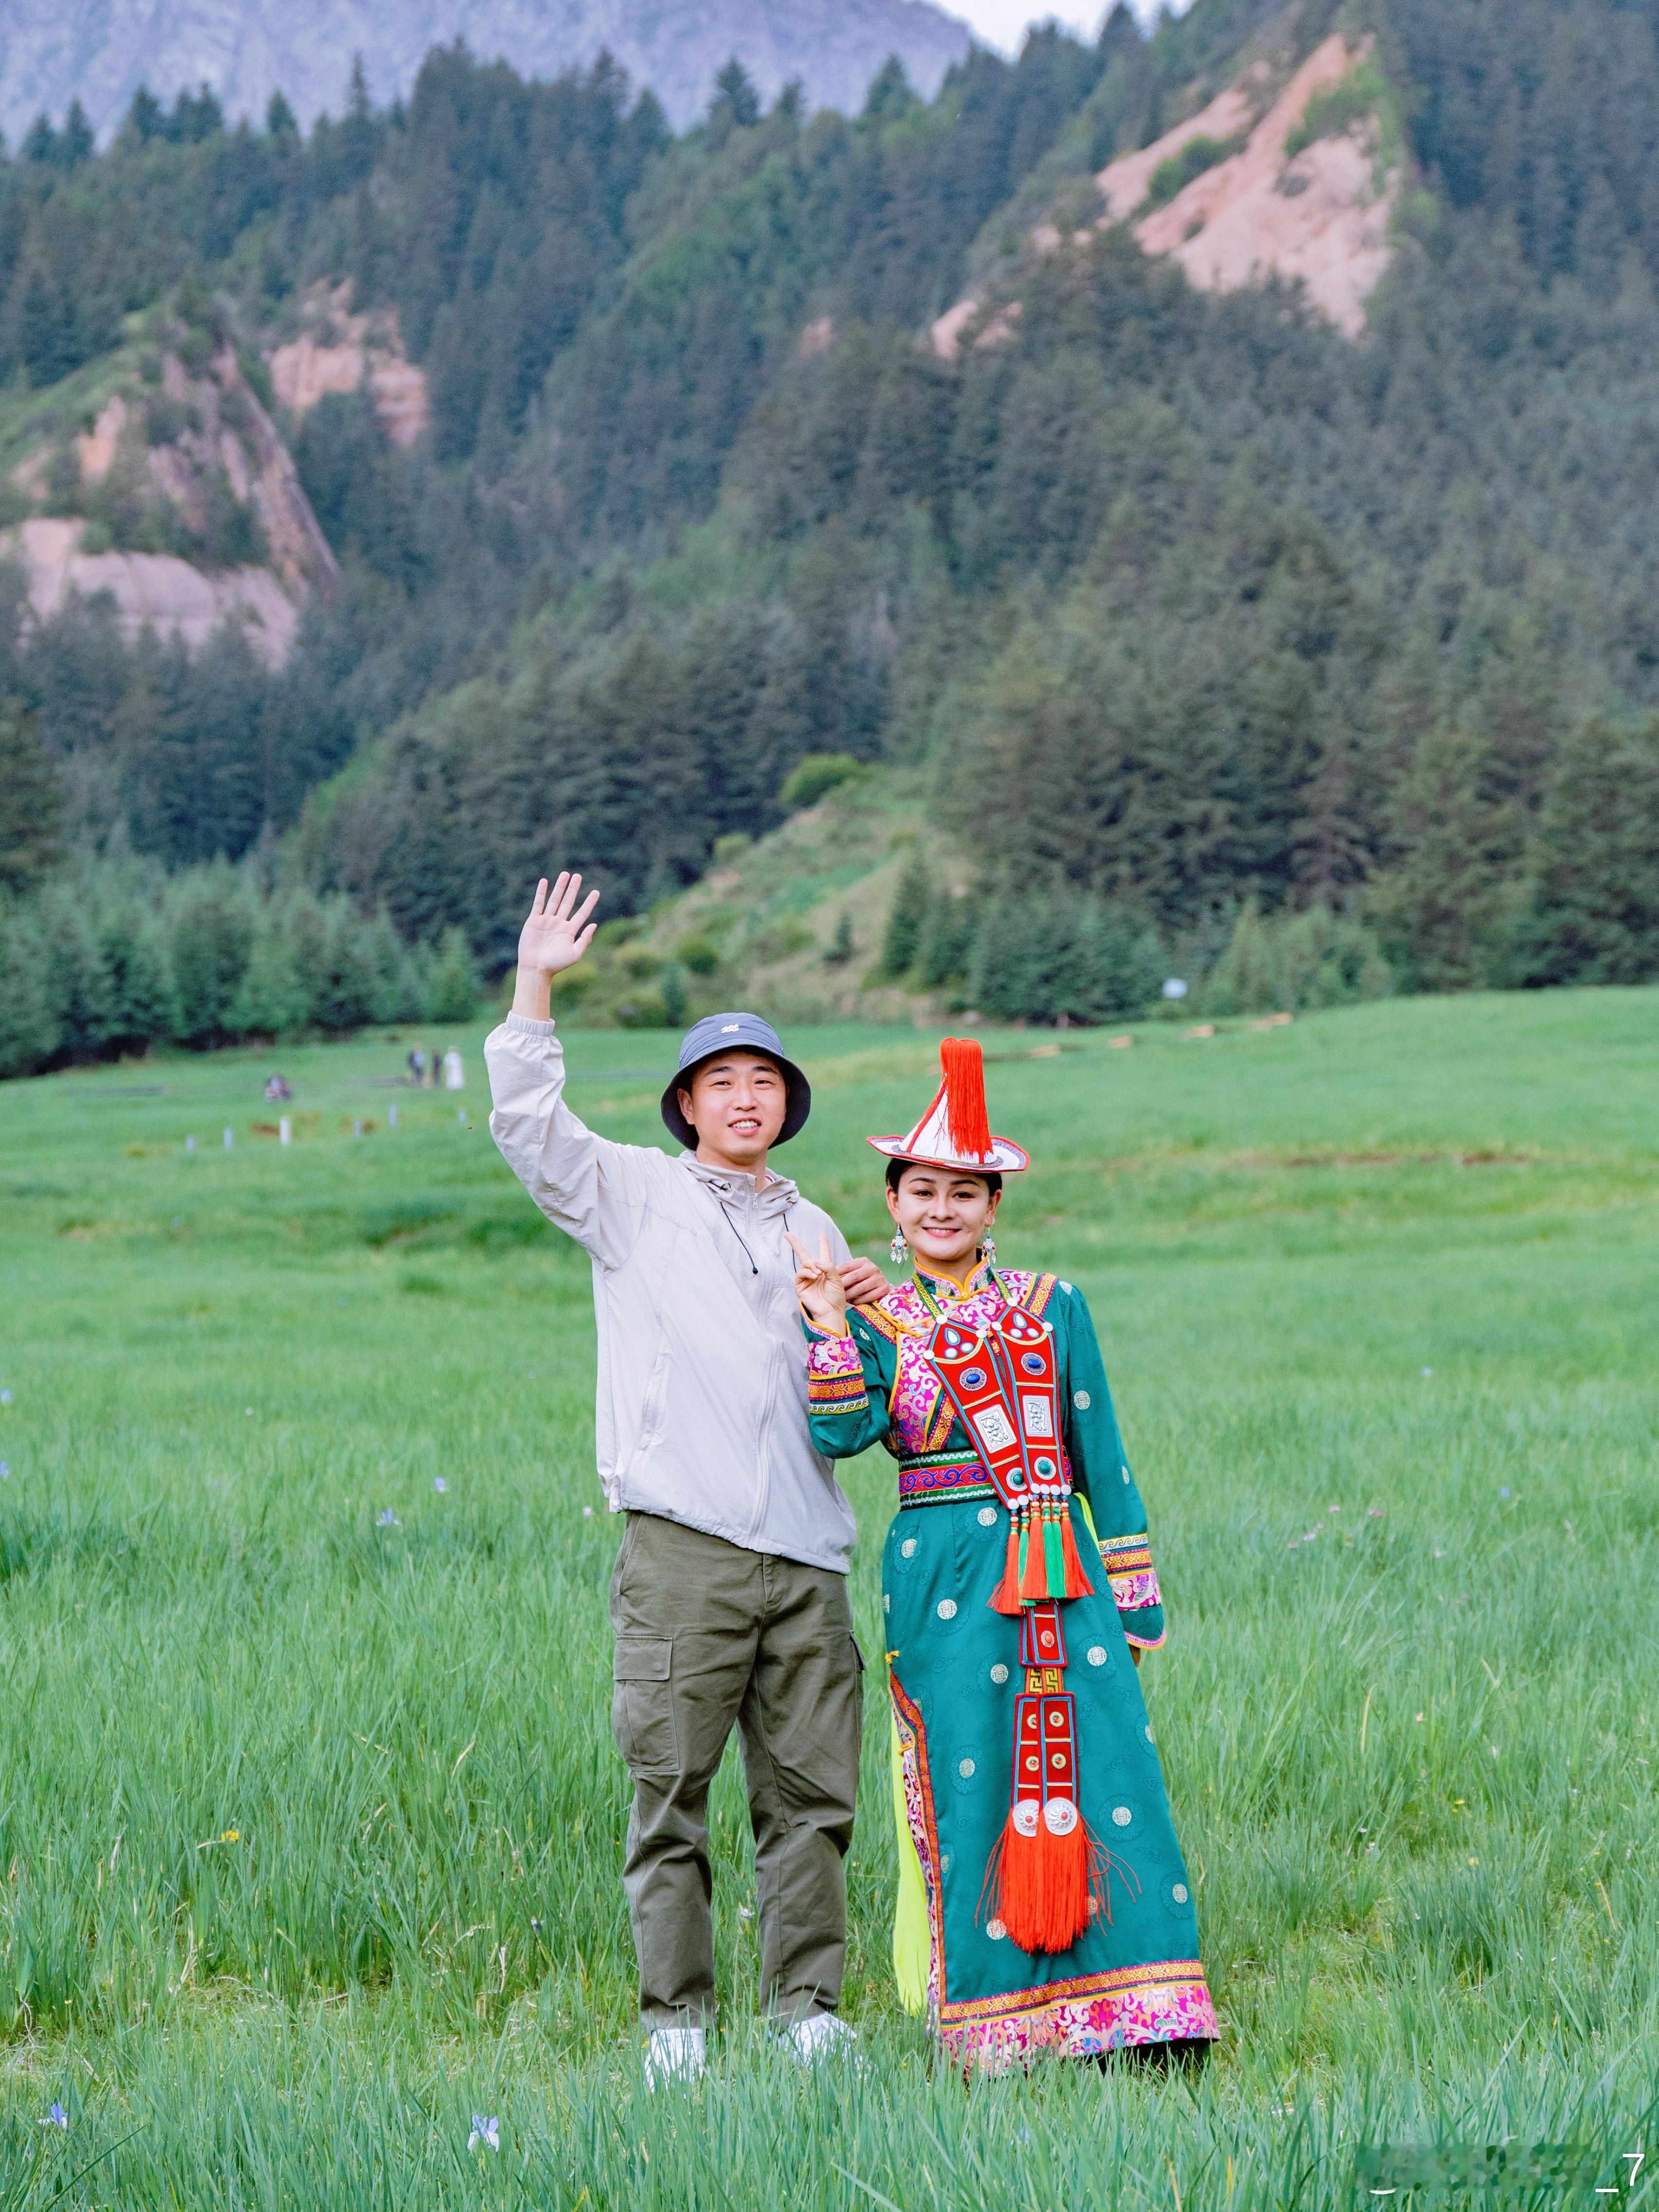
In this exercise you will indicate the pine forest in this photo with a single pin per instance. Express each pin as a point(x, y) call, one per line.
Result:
point(557, 491)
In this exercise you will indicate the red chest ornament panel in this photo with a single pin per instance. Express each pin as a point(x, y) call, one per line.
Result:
point(1048, 1874)
point(1003, 1378)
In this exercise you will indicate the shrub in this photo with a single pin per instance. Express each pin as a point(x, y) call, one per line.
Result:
point(1357, 98)
point(782, 940)
point(1247, 979)
point(1296, 962)
point(1188, 162)
point(698, 953)
point(810, 777)
point(1329, 959)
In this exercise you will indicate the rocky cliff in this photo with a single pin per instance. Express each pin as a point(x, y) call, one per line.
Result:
point(100, 50)
point(1292, 171)
point(179, 501)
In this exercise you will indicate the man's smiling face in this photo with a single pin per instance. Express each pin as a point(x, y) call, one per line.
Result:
point(736, 1103)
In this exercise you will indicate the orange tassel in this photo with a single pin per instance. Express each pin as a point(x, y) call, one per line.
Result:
point(1039, 1887)
point(1005, 1598)
point(965, 1117)
point(1077, 1584)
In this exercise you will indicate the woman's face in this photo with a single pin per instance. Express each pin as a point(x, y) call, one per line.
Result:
point(944, 1215)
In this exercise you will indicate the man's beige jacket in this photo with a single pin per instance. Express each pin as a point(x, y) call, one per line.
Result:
point(700, 1411)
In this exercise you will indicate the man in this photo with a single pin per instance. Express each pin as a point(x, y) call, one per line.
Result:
point(729, 1597)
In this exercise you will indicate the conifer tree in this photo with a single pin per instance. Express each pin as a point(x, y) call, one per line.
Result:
point(906, 919)
point(141, 1009)
point(454, 983)
point(1593, 915)
point(31, 804)
point(28, 1026)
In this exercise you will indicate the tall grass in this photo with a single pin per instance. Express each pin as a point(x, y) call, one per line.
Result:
point(310, 1822)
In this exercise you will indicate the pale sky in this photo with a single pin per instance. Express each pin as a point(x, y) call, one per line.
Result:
point(1002, 23)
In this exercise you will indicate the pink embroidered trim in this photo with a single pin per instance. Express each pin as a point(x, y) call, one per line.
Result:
point(915, 1398)
point(1170, 2003)
point(924, 1830)
point(1130, 1592)
point(834, 1355)
point(920, 1414)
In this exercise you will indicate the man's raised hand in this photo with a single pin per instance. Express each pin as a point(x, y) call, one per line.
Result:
point(555, 934)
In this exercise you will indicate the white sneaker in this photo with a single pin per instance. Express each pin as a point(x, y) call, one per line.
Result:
point(676, 2055)
point(823, 2036)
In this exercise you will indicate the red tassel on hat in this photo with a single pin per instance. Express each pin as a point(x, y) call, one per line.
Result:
point(966, 1120)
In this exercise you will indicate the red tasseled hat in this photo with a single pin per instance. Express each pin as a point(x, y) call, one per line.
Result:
point(956, 1131)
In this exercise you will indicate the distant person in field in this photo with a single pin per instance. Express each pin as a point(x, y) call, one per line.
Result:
point(729, 1597)
point(1044, 1904)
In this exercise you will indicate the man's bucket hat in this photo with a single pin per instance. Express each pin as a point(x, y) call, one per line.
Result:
point(718, 1033)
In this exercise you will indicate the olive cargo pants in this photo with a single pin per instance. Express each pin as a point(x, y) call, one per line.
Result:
point(708, 1635)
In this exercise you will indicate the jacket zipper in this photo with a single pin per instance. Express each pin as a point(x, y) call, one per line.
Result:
point(762, 1445)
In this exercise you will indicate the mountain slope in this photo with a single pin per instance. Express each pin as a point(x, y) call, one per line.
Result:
point(246, 51)
point(1187, 607)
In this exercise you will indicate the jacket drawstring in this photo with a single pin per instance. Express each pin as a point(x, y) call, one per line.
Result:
point(739, 1234)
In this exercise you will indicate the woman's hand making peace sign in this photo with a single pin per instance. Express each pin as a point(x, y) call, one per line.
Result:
point(820, 1287)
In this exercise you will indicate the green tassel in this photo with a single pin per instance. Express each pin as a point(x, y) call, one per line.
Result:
point(1053, 1556)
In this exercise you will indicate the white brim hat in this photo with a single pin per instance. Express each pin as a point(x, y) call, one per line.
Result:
point(955, 1131)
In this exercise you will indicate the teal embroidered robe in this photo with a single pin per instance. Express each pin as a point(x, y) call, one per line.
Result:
point(1134, 1977)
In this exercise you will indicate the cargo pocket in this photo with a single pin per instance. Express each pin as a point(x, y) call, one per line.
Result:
point(643, 1705)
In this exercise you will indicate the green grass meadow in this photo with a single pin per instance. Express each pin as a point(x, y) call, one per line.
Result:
point(310, 1820)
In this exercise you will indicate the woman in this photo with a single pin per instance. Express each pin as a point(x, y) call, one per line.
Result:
point(1043, 1902)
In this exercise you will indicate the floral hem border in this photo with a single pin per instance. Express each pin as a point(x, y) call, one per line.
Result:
point(1089, 2020)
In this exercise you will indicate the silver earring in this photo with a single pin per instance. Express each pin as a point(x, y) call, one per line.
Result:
point(988, 1250)
point(899, 1248)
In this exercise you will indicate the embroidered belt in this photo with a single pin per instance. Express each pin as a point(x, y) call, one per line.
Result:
point(942, 1479)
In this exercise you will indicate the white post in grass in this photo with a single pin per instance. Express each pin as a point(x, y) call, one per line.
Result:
point(229, 1138)
point(357, 1129)
point(190, 1144)
point(392, 1115)
point(285, 1131)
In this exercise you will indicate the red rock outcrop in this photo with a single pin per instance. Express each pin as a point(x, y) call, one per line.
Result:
point(340, 352)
